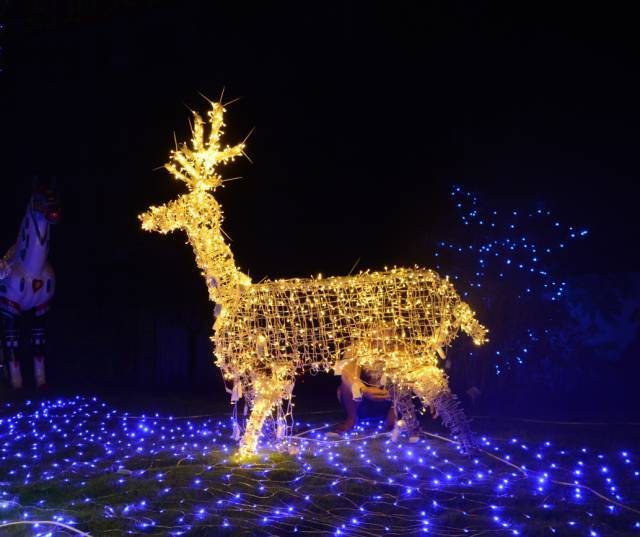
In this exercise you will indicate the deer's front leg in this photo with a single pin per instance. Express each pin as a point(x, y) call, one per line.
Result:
point(268, 394)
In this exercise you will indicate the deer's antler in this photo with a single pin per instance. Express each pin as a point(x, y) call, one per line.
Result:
point(197, 165)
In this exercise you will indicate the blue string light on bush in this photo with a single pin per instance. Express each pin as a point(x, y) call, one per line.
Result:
point(515, 259)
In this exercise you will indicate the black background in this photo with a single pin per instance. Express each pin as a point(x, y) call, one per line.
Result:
point(364, 116)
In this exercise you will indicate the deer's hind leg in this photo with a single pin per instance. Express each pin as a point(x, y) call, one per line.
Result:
point(268, 393)
point(432, 387)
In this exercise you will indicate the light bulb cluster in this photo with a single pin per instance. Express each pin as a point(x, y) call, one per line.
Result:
point(510, 256)
point(267, 333)
point(82, 463)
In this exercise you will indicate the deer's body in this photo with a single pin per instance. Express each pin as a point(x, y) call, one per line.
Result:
point(266, 333)
point(310, 322)
point(276, 329)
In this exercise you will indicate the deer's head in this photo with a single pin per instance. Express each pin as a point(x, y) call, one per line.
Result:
point(195, 164)
point(45, 200)
point(197, 212)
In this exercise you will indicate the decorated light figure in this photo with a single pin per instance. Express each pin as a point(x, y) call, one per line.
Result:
point(398, 322)
point(27, 283)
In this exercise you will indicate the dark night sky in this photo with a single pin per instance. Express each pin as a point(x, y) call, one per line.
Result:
point(363, 117)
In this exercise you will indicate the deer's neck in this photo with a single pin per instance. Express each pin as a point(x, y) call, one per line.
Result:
point(32, 245)
point(215, 259)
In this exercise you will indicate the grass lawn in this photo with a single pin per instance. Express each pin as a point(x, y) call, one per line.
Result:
point(95, 469)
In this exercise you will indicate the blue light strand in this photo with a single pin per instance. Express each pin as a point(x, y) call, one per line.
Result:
point(509, 242)
point(84, 464)
point(512, 253)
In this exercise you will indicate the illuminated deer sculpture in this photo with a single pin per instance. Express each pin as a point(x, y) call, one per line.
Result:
point(266, 333)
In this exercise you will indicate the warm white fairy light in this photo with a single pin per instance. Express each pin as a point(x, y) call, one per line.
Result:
point(399, 321)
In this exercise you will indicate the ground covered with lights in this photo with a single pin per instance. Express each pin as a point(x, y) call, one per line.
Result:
point(80, 466)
